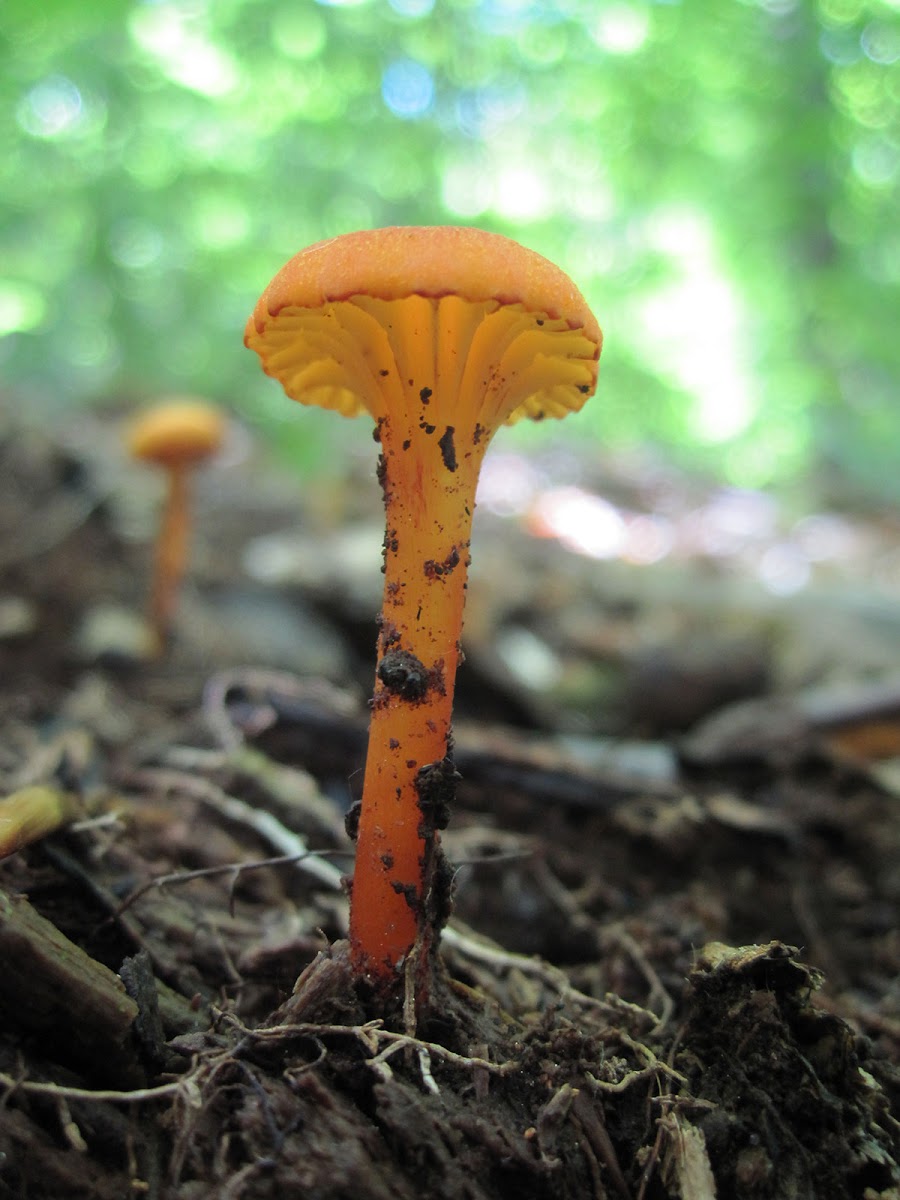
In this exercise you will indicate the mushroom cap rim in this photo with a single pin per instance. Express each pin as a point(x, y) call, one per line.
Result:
point(176, 432)
point(422, 256)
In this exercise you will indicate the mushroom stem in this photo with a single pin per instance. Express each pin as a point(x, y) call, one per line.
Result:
point(171, 552)
point(429, 481)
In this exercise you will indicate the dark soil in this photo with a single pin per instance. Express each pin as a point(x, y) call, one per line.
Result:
point(676, 980)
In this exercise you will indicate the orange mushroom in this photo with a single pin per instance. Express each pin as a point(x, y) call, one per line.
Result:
point(442, 335)
point(175, 435)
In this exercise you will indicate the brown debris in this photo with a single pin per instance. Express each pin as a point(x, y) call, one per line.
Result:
point(576, 1043)
point(51, 985)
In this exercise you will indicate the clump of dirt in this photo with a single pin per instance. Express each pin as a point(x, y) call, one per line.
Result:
point(756, 1093)
point(786, 1096)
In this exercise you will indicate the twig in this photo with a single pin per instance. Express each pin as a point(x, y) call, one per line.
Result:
point(175, 878)
point(263, 823)
point(289, 788)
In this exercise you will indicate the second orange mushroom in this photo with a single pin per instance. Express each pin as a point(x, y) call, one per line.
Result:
point(176, 435)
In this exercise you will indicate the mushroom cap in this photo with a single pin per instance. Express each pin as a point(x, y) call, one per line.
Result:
point(176, 432)
point(345, 315)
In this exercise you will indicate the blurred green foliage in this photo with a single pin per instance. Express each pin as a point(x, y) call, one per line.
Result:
point(721, 179)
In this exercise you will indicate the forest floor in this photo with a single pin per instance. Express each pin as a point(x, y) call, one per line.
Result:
point(673, 969)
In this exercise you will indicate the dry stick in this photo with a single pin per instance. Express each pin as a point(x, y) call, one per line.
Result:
point(175, 878)
point(107, 820)
point(287, 787)
point(185, 1086)
point(263, 823)
point(29, 814)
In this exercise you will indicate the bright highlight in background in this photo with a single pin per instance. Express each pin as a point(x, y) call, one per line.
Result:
point(183, 53)
point(407, 88)
point(52, 107)
point(412, 8)
point(696, 327)
point(521, 194)
point(621, 28)
point(21, 307)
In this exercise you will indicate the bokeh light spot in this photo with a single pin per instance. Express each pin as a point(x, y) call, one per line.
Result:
point(521, 194)
point(407, 88)
point(543, 45)
point(220, 221)
point(876, 162)
point(298, 33)
point(881, 42)
point(487, 111)
point(51, 108)
point(580, 520)
point(696, 326)
point(92, 347)
point(412, 8)
point(466, 188)
point(183, 54)
point(135, 245)
point(621, 28)
point(21, 307)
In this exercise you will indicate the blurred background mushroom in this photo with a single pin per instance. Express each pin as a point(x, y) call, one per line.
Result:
point(176, 435)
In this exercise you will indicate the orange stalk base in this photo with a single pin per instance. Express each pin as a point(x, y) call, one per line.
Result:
point(429, 482)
